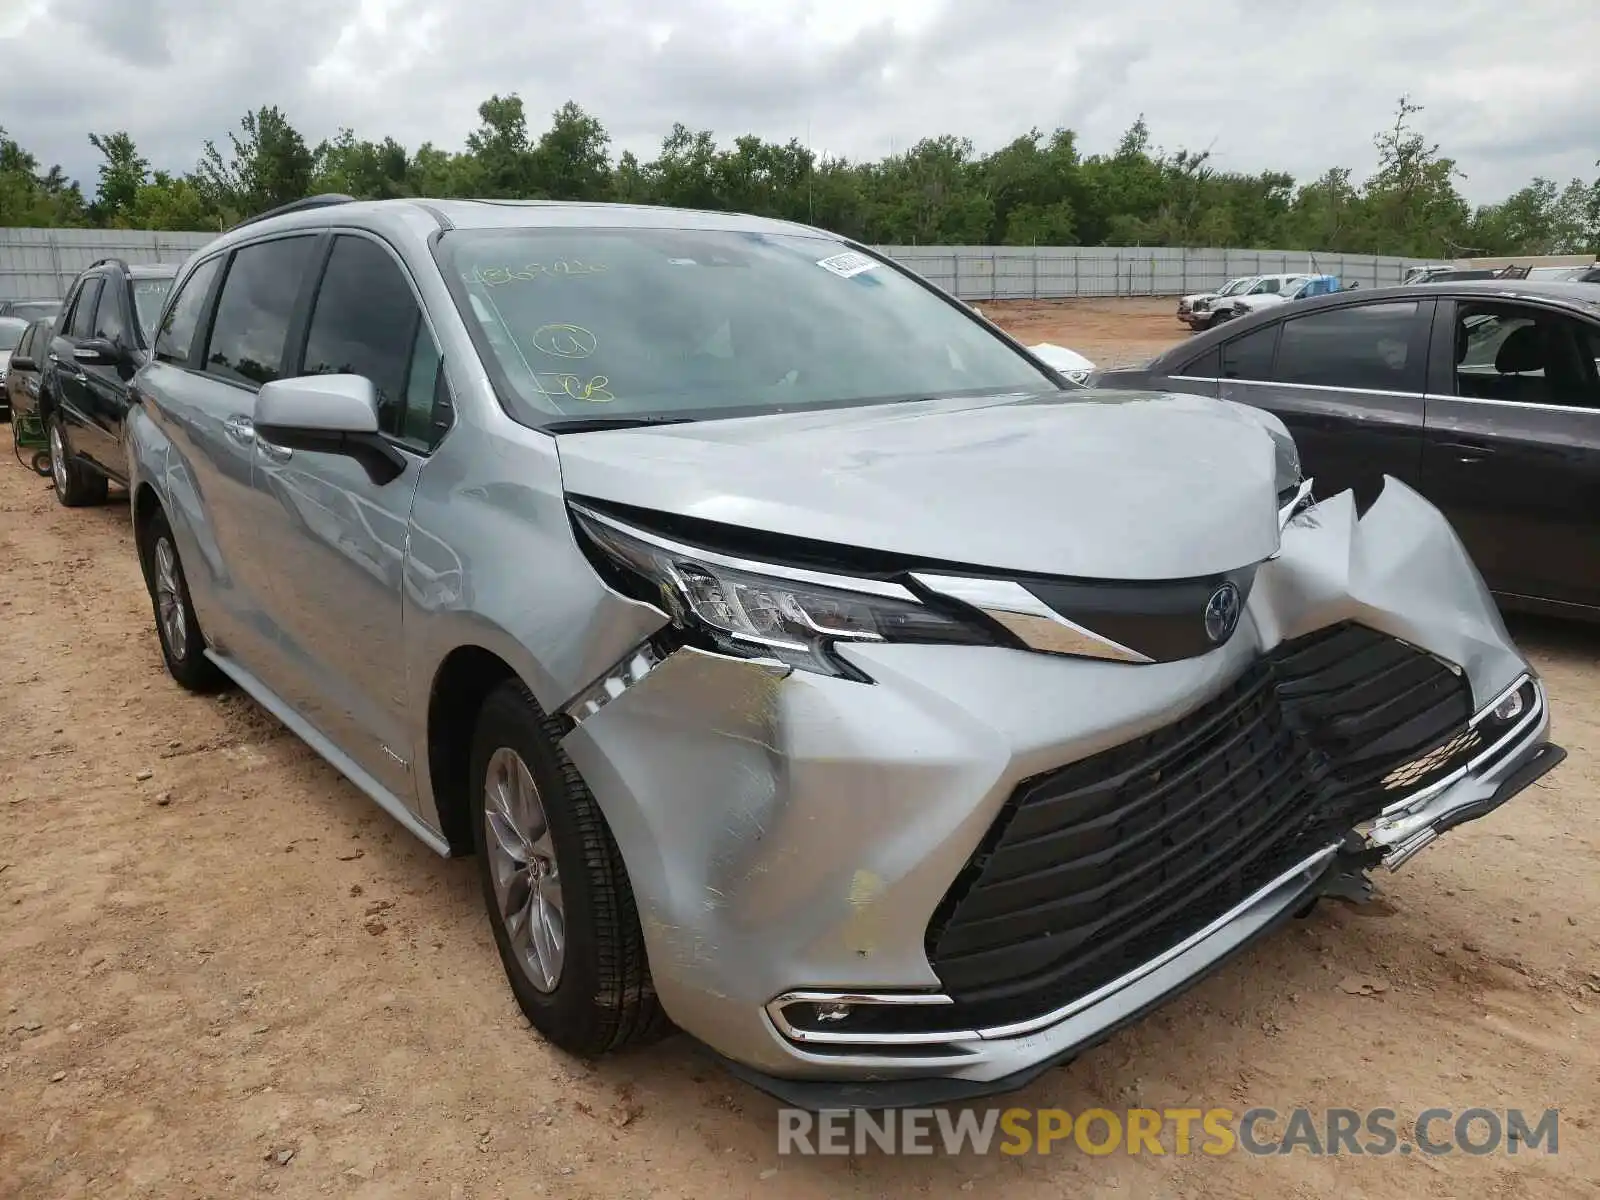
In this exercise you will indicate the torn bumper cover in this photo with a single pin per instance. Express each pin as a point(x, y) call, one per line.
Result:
point(935, 885)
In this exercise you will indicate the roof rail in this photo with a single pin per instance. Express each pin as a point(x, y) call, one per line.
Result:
point(322, 201)
point(100, 262)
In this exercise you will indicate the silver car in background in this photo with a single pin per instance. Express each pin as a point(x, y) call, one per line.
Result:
point(807, 664)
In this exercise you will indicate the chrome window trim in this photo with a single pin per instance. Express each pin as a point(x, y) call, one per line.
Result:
point(1331, 387)
point(1528, 404)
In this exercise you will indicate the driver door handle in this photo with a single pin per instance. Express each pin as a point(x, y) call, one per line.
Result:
point(1469, 452)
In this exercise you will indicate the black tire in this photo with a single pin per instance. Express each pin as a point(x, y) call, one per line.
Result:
point(185, 656)
point(603, 999)
point(76, 485)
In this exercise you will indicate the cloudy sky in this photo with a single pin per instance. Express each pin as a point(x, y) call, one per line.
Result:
point(1509, 89)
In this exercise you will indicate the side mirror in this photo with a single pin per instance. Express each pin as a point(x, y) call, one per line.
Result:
point(21, 362)
point(99, 350)
point(328, 414)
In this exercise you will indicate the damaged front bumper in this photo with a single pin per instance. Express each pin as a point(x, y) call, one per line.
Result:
point(846, 888)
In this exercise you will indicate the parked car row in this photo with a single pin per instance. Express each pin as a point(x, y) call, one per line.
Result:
point(1202, 310)
point(807, 663)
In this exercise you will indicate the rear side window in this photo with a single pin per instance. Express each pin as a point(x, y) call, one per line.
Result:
point(366, 321)
point(1207, 366)
point(175, 338)
point(255, 308)
point(83, 312)
point(1380, 347)
point(1250, 356)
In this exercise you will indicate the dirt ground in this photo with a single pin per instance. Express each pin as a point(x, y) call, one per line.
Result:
point(224, 972)
point(1111, 333)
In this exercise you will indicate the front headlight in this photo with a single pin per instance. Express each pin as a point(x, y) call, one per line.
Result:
point(759, 610)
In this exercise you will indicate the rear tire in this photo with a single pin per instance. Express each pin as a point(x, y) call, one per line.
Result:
point(555, 886)
point(183, 644)
point(76, 485)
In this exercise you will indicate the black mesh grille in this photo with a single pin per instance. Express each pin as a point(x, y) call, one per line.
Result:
point(1101, 865)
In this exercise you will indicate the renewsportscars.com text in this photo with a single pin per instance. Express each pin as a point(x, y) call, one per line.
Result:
point(1177, 1131)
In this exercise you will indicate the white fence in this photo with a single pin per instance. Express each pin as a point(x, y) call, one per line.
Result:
point(44, 262)
point(1043, 272)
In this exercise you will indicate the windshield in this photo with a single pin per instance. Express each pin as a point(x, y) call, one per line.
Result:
point(148, 296)
point(672, 323)
point(1233, 285)
point(11, 332)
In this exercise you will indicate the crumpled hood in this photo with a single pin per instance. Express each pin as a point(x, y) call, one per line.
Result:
point(1109, 485)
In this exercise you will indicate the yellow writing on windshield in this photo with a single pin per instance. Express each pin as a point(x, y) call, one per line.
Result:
point(561, 268)
point(565, 341)
point(560, 384)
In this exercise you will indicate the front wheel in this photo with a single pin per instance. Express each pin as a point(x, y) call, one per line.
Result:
point(183, 646)
point(76, 485)
point(558, 896)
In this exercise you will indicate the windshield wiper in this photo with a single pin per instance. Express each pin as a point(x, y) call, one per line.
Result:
point(586, 424)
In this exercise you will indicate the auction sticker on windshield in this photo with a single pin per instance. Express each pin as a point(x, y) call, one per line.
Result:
point(847, 264)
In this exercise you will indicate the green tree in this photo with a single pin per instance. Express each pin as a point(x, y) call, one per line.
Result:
point(571, 160)
point(122, 174)
point(270, 165)
point(501, 156)
point(365, 170)
point(1412, 204)
point(29, 197)
point(170, 202)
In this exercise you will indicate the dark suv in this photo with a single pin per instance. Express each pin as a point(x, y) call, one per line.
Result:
point(101, 338)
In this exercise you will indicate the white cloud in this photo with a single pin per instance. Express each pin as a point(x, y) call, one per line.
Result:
point(1299, 87)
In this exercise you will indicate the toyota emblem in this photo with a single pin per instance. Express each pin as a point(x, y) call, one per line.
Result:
point(1222, 613)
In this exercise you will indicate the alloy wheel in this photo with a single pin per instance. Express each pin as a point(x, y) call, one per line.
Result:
point(169, 601)
point(522, 862)
point(58, 458)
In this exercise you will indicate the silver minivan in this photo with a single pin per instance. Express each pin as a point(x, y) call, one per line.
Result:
point(808, 665)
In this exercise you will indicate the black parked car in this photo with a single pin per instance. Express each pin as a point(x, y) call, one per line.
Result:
point(19, 375)
point(1484, 396)
point(101, 338)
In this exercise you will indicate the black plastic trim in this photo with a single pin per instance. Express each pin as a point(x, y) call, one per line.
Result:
point(823, 1095)
point(381, 461)
point(1165, 621)
point(1549, 757)
point(325, 200)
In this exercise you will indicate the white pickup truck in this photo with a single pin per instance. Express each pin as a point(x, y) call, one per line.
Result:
point(1195, 311)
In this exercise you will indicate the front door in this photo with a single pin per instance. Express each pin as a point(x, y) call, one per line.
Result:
point(337, 541)
point(68, 378)
point(1513, 446)
point(106, 383)
point(1348, 381)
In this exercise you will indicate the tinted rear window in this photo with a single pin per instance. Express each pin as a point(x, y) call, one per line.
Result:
point(1377, 347)
point(1250, 356)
